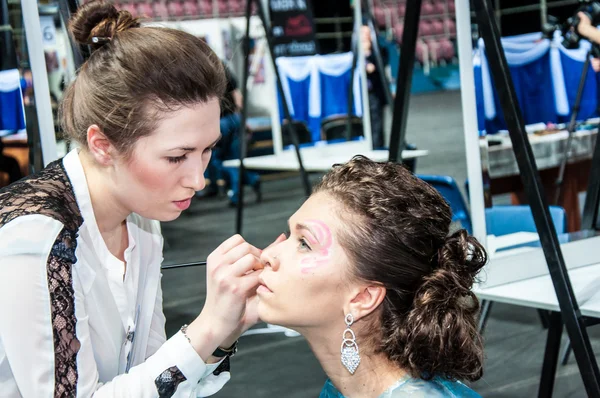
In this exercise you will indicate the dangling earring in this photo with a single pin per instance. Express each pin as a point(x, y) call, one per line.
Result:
point(350, 355)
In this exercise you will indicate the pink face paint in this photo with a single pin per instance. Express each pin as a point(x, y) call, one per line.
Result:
point(325, 240)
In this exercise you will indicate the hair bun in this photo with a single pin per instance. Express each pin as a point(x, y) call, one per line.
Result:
point(459, 261)
point(439, 335)
point(101, 20)
point(463, 255)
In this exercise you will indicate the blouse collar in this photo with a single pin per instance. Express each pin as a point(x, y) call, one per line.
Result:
point(74, 169)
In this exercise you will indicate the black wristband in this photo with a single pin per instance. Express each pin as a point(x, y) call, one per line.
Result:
point(226, 352)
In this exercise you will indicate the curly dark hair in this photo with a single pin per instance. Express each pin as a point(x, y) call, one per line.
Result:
point(400, 238)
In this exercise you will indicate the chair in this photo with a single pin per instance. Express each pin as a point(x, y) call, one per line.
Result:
point(450, 25)
point(145, 10)
point(421, 51)
point(425, 28)
point(504, 220)
point(237, 7)
point(175, 9)
point(129, 6)
point(334, 127)
point(304, 136)
point(223, 8)
point(427, 8)
point(190, 8)
point(401, 10)
point(446, 49)
point(434, 50)
point(160, 10)
point(446, 185)
point(437, 27)
point(439, 7)
point(206, 8)
point(451, 6)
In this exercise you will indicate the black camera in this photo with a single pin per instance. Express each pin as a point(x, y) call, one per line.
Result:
point(571, 36)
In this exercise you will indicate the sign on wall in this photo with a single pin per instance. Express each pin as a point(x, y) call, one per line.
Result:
point(293, 28)
point(48, 31)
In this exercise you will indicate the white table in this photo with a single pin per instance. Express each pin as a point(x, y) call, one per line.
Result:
point(319, 160)
point(538, 292)
point(520, 275)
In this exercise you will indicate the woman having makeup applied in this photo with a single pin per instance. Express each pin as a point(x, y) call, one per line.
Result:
point(370, 276)
point(80, 242)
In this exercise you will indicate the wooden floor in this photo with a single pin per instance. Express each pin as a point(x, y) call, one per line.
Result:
point(274, 365)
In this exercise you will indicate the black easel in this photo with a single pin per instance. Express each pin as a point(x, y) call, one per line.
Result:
point(404, 80)
point(286, 111)
point(570, 313)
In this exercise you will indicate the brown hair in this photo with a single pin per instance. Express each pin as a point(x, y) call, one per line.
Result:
point(133, 74)
point(400, 239)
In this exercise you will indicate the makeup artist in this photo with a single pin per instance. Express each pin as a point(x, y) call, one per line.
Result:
point(80, 250)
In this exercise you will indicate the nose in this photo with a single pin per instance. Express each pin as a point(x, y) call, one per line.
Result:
point(195, 177)
point(270, 258)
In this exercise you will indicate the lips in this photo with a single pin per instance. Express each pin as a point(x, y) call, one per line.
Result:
point(183, 204)
point(263, 284)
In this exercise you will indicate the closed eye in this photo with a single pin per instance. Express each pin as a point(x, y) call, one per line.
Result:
point(177, 159)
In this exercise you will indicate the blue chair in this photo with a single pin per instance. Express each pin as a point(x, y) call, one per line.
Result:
point(447, 186)
point(504, 220)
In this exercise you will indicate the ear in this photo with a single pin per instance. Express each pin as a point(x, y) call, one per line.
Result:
point(99, 146)
point(366, 300)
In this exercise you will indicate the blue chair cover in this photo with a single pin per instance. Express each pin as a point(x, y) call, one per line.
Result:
point(503, 220)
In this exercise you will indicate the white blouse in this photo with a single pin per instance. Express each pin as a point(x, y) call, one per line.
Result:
point(114, 339)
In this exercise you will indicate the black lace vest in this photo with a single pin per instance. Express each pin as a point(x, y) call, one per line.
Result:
point(50, 193)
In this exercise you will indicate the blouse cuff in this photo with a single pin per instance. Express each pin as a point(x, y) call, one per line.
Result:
point(177, 351)
point(188, 360)
point(211, 367)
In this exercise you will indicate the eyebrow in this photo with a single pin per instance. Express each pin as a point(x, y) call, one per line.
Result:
point(307, 228)
point(192, 149)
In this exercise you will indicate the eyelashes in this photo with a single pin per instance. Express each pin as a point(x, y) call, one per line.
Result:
point(302, 244)
point(177, 159)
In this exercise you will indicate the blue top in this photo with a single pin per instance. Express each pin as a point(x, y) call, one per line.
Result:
point(414, 388)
